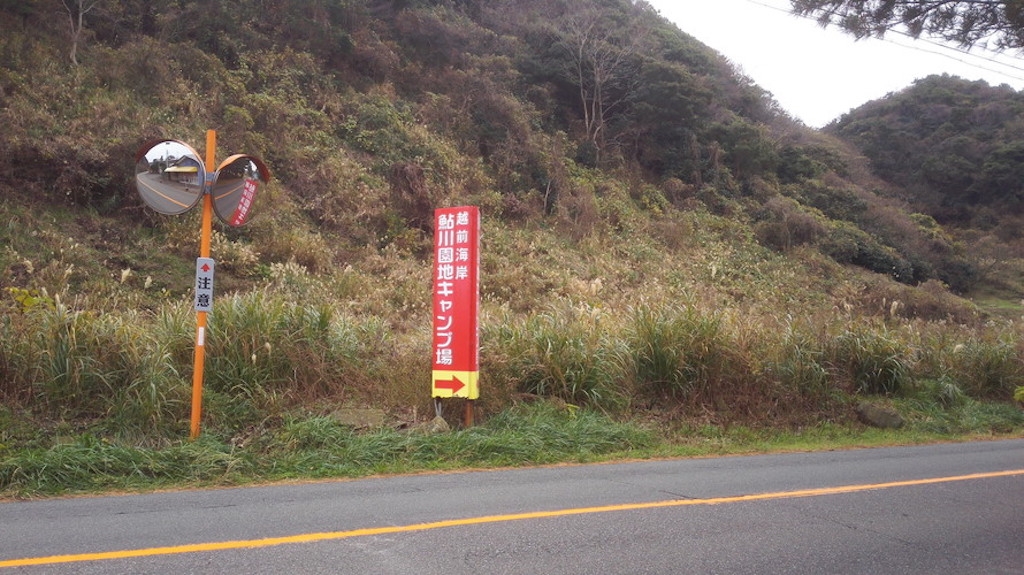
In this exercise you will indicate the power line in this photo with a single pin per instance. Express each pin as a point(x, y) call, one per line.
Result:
point(944, 47)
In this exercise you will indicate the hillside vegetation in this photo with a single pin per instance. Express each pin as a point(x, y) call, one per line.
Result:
point(660, 241)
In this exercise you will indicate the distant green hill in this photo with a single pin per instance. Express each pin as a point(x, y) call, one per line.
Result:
point(951, 144)
point(953, 149)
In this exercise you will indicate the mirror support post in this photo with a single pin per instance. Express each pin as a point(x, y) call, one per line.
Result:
point(204, 252)
point(172, 179)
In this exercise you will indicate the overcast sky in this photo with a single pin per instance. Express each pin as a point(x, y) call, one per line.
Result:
point(819, 74)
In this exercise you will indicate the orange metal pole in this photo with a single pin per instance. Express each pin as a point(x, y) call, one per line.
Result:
point(204, 252)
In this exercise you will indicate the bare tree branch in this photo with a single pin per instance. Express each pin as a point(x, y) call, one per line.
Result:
point(77, 9)
point(604, 61)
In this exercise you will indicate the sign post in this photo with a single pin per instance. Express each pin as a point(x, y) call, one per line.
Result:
point(456, 287)
point(206, 232)
point(172, 179)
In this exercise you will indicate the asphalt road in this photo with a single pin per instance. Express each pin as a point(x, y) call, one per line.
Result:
point(948, 509)
point(165, 196)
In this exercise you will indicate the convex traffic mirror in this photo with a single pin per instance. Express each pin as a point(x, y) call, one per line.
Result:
point(234, 188)
point(172, 179)
point(169, 176)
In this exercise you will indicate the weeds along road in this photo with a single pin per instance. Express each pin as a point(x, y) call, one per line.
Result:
point(956, 508)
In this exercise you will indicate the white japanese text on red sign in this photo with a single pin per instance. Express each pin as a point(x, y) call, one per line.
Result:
point(453, 261)
point(242, 211)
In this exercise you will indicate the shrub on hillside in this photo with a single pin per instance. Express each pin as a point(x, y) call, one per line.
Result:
point(785, 224)
point(678, 352)
point(872, 360)
point(565, 353)
point(848, 244)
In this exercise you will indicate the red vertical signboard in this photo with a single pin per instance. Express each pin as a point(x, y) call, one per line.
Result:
point(456, 346)
point(242, 211)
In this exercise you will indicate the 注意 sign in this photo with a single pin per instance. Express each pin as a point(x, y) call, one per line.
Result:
point(204, 284)
point(456, 301)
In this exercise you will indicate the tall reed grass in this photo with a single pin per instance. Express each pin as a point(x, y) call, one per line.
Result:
point(126, 374)
point(874, 361)
point(78, 365)
point(566, 352)
point(131, 371)
point(269, 352)
point(679, 351)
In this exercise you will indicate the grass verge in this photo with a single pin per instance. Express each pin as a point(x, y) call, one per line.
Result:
point(537, 434)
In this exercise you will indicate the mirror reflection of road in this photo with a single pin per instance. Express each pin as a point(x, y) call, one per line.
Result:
point(166, 196)
point(227, 192)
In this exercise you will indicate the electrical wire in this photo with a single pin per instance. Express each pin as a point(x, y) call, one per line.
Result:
point(944, 47)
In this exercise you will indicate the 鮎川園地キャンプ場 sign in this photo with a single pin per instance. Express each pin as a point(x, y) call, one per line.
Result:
point(456, 287)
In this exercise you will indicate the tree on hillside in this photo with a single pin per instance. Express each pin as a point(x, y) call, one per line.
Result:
point(604, 50)
point(77, 9)
point(997, 24)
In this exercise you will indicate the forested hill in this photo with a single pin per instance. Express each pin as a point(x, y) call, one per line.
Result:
point(430, 102)
point(955, 151)
point(956, 147)
point(500, 81)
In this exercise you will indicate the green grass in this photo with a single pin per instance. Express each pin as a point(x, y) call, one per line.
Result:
point(318, 447)
point(679, 352)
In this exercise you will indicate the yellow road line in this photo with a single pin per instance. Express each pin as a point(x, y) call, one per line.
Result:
point(163, 195)
point(335, 535)
point(230, 191)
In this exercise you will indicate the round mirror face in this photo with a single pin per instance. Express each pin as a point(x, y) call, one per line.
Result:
point(169, 176)
point(234, 190)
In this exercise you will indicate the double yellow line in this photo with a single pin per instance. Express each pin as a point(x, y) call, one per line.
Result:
point(335, 535)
